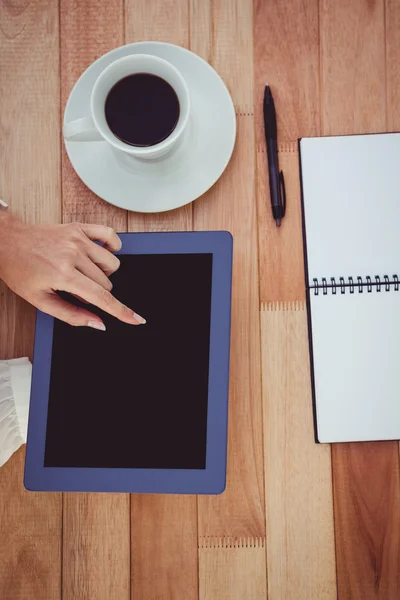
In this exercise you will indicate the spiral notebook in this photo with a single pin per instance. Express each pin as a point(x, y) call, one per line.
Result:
point(351, 223)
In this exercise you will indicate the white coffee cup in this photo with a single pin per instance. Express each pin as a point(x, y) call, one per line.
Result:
point(94, 127)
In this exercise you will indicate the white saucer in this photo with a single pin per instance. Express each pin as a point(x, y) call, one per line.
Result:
point(181, 176)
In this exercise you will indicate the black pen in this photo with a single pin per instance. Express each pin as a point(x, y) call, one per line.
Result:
point(276, 181)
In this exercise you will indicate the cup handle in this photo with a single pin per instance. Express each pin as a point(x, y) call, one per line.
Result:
point(81, 130)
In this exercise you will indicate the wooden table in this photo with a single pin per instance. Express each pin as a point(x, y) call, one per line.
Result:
point(298, 521)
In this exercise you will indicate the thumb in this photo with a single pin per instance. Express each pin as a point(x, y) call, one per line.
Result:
point(55, 306)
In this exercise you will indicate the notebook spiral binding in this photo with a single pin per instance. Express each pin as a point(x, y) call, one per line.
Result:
point(355, 284)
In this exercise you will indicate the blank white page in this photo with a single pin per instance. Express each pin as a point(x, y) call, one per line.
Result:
point(351, 192)
point(356, 351)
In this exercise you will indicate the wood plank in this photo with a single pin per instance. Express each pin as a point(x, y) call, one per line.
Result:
point(367, 514)
point(84, 38)
point(29, 91)
point(228, 44)
point(353, 94)
point(298, 482)
point(176, 220)
point(30, 549)
point(232, 569)
point(231, 205)
point(239, 512)
point(392, 22)
point(201, 28)
point(217, 27)
point(17, 325)
point(281, 248)
point(96, 545)
point(232, 50)
point(30, 524)
point(286, 56)
point(164, 540)
point(158, 20)
point(353, 101)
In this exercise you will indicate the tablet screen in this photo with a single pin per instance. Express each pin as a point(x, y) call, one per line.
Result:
point(136, 396)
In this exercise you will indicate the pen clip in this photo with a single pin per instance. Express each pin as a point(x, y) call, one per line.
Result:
point(283, 191)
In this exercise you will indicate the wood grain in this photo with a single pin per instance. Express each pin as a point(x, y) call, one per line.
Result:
point(230, 205)
point(231, 52)
point(281, 248)
point(30, 549)
point(325, 61)
point(286, 56)
point(17, 323)
point(164, 542)
point(96, 547)
point(232, 569)
point(177, 220)
point(366, 492)
point(298, 482)
point(96, 542)
point(353, 101)
point(352, 69)
point(201, 28)
point(217, 26)
point(392, 22)
point(84, 38)
point(158, 20)
point(30, 524)
point(164, 528)
point(29, 91)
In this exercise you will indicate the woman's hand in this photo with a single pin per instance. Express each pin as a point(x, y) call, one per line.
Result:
point(37, 261)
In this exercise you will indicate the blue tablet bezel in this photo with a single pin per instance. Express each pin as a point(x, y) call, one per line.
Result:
point(210, 480)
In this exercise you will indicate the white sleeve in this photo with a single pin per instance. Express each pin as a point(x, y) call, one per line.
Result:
point(15, 384)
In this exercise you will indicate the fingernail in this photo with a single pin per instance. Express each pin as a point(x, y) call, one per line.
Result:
point(97, 325)
point(138, 319)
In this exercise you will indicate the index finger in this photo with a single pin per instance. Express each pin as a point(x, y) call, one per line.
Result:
point(98, 296)
point(101, 233)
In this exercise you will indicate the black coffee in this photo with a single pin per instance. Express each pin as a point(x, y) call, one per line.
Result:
point(142, 109)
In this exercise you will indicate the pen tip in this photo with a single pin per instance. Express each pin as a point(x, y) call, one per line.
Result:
point(278, 222)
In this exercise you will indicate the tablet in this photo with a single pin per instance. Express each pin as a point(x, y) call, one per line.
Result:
point(139, 408)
